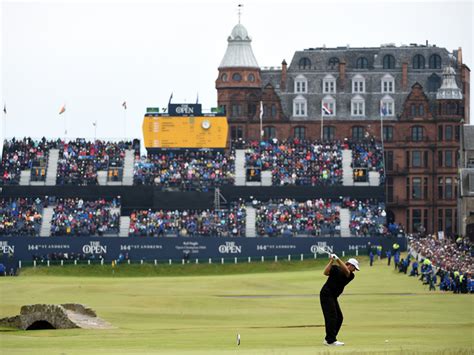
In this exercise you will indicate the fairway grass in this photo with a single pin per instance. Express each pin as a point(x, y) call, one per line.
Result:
point(279, 313)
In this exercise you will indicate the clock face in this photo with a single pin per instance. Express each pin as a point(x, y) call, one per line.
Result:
point(206, 124)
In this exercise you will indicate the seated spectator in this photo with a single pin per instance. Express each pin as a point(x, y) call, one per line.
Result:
point(298, 162)
point(291, 218)
point(21, 155)
point(225, 223)
point(80, 160)
point(20, 216)
point(368, 154)
point(367, 217)
point(74, 216)
point(189, 170)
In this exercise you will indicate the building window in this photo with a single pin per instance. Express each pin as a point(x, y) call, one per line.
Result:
point(388, 133)
point(358, 84)
point(417, 133)
point(448, 188)
point(301, 84)
point(416, 159)
point(448, 159)
point(333, 63)
point(269, 132)
point(358, 106)
point(440, 159)
point(413, 110)
point(448, 221)
point(449, 133)
point(440, 220)
point(357, 133)
point(440, 133)
point(224, 77)
point(329, 84)
point(387, 106)
point(300, 133)
point(421, 110)
point(389, 183)
point(251, 78)
point(416, 220)
point(416, 189)
point(425, 188)
point(252, 109)
point(236, 77)
point(328, 106)
point(418, 62)
point(389, 62)
point(304, 63)
point(236, 132)
point(299, 107)
point(329, 133)
point(362, 63)
point(435, 62)
point(388, 84)
point(236, 110)
point(274, 111)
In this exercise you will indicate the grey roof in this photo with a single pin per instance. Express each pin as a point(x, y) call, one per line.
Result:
point(239, 52)
point(468, 137)
point(428, 78)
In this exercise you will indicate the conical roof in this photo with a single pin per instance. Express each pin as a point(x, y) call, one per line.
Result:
point(239, 50)
point(449, 89)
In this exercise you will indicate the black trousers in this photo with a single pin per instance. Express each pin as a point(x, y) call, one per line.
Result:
point(332, 317)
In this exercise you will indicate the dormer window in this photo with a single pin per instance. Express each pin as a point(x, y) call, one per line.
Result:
point(304, 63)
point(358, 84)
point(251, 78)
point(300, 107)
point(328, 106)
point(224, 77)
point(388, 84)
point(301, 85)
point(333, 63)
point(387, 106)
point(329, 84)
point(357, 106)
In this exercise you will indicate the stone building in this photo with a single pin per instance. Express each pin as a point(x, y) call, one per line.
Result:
point(417, 95)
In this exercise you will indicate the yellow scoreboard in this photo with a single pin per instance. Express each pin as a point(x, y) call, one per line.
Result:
point(185, 131)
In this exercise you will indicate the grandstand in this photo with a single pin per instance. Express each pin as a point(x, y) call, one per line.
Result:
point(290, 195)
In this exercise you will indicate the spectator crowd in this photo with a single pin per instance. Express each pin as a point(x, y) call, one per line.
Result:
point(20, 216)
point(76, 217)
point(443, 261)
point(188, 170)
point(189, 223)
point(297, 162)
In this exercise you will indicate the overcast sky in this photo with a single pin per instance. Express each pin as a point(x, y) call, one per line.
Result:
point(93, 55)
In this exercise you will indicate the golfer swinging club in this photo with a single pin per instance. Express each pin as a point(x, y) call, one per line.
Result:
point(339, 276)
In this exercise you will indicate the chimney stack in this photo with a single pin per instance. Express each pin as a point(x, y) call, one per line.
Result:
point(404, 76)
point(284, 68)
point(342, 74)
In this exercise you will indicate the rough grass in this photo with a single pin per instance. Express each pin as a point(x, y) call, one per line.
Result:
point(187, 314)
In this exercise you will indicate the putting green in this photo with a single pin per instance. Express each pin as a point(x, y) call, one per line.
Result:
point(274, 312)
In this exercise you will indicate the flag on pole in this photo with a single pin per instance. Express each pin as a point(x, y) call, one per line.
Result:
point(124, 105)
point(261, 109)
point(5, 109)
point(197, 98)
point(94, 123)
point(171, 96)
point(383, 110)
point(326, 110)
point(62, 109)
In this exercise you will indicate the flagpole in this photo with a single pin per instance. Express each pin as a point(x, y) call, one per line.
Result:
point(124, 125)
point(4, 124)
point(322, 125)
point(95, 130)
point(261, 121)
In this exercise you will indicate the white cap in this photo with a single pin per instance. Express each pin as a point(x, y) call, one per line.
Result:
point(354, 262)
